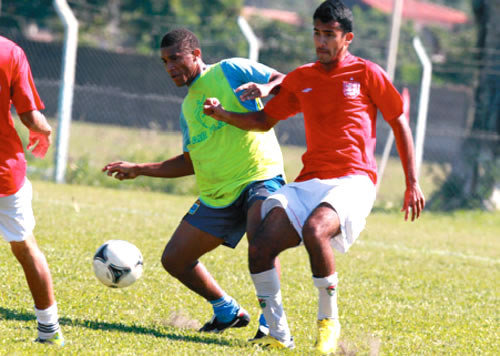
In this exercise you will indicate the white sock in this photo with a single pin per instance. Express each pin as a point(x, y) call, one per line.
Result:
point(267, 285)
point(48, 321)
point(327, 301)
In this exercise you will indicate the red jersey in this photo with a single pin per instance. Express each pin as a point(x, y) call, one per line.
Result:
point(17, 87)
point(340, 114)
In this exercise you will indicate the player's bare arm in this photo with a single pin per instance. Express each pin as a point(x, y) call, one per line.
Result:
point(178, 166)
point(249, 121)
point(40, 132)
point(253, 90)
point(414, 200)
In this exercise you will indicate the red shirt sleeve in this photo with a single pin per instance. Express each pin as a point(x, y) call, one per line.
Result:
point(285, 104)
point(383, 93)
point(24, 94)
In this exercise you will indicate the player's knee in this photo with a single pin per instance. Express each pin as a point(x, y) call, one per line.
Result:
point(253, 253)
point(317, 233)
point(174, 265)
point(260, 252)
point(24, 250)
point(168, 262)
point(310, 233)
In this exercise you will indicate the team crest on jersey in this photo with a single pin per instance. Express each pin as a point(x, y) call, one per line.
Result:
point(351, 89)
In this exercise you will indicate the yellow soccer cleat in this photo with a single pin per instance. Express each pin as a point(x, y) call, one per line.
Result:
point(328, 336)
point(57, 339)
point(270, 342)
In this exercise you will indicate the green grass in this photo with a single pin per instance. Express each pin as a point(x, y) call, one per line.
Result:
point(423, 288)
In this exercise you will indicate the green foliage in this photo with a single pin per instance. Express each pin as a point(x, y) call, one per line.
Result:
point(457, 61)
point(284, 46)
point(371, 34)
point(118, 24)
point(470, 185)
point(23, 12)
point(405, 288)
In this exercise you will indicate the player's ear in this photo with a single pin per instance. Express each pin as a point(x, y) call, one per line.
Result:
point(349, 36)
point(197, 52)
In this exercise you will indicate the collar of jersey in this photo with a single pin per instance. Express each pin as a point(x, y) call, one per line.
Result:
point(200, 74)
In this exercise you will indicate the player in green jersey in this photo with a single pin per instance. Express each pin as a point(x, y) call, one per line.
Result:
point(235, 170)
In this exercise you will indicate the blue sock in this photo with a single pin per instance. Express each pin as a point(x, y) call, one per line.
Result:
point(225, 308)
point(262, 321)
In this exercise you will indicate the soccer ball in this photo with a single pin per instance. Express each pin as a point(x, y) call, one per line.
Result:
point(118, 263)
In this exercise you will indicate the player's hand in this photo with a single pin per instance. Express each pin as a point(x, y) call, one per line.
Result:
point(253, 91)
point(121, 170)
point(212, 107)
point(414, 202)
point(40, 142)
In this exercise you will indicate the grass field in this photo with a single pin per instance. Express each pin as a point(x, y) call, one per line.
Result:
point(423, 288)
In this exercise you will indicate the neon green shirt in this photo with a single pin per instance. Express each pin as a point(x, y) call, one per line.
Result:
point(225, 158)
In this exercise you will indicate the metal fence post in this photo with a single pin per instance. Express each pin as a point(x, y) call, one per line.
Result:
point(65, 101)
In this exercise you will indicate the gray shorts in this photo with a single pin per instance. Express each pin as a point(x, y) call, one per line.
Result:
point(229, 223)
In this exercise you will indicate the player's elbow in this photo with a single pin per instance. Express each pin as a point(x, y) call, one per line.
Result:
point(264, 122)
point(267, 126)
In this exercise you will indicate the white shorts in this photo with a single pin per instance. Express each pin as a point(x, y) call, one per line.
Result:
point(16, 215)
point(352, 197)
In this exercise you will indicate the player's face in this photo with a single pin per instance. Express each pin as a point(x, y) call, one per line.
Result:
point(181, 64)
point(330, 41)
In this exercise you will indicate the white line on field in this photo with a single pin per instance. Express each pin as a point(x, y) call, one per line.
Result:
point(378, 244)
point(395, 247)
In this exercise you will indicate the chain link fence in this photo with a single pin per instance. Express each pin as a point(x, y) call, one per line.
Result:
point(132, 90)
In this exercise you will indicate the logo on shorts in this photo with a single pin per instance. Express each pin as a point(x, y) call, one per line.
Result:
point(262, 303)
point(195, 207)
point(351, 88)
point(331, 290)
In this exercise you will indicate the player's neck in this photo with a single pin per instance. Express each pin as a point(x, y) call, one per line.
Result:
point(200, 68)
point(335, 63)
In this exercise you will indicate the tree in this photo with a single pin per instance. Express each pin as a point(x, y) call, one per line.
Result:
point(475, 181)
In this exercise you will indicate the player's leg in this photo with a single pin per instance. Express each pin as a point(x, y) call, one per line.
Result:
point(336, 221)
point(36, 271)
point(319, 228)
point(254, 196)
point(202, 230)
point(16, 225)
point(180, 259)
point(274, 235)
point(39, 281)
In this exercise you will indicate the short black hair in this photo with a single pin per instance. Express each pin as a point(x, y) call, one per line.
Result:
point(181, 36)
point(335, 10)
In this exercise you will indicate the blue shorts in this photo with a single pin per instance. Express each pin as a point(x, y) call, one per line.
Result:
point(229, 223)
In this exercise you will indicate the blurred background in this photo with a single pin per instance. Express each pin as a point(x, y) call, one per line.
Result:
point(121, 87)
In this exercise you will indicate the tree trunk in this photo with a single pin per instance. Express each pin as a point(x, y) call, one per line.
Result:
point(475, 181)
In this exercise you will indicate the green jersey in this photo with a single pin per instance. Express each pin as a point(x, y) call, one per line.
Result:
point(225, 158)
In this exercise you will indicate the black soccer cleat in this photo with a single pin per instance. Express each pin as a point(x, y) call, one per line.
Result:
point(262, 331)
point(214, 326)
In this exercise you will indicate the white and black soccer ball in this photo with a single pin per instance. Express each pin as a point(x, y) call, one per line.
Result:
point(118, 263)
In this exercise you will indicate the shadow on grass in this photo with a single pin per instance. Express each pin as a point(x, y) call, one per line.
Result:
point(9, 314)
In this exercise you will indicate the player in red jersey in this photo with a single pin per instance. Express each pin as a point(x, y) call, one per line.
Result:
point(16, 215)
point(327, 205)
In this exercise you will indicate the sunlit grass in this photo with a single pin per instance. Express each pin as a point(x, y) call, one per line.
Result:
point(421, 288)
